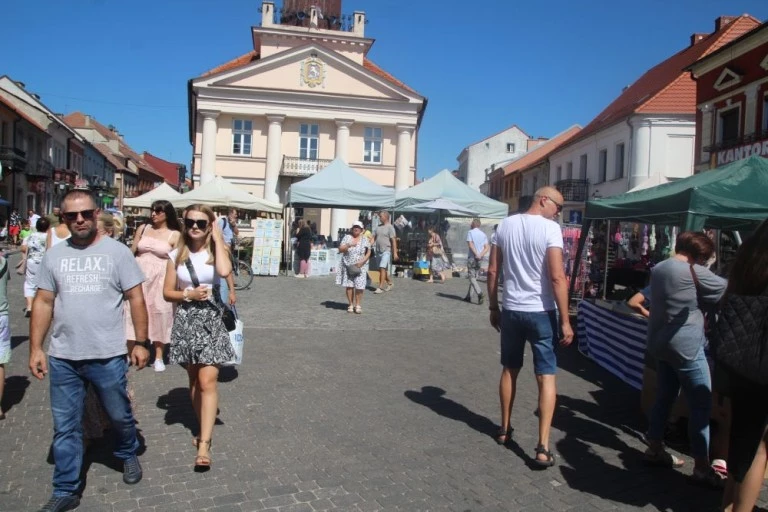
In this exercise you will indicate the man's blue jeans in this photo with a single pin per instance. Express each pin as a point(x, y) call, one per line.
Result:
point(68, 384)
point(693, 376)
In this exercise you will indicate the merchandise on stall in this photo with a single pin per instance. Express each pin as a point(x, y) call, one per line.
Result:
point(267, 247)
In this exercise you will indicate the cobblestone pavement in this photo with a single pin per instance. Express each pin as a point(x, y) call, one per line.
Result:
point(391, 410)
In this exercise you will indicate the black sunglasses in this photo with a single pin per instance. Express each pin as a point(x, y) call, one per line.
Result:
point(158, 209)
point(72, 216)
point(558, 205)
point(200, 223)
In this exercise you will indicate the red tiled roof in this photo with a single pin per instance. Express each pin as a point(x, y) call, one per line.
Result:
point(542, 151)
point(667, 88)
point(107, 152)
point(234, 63)
point(169, 170)
point(20, 113)
point(376, 70)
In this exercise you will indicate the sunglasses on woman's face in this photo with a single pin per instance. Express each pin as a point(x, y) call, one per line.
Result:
point(158, 209)
point(200, 223)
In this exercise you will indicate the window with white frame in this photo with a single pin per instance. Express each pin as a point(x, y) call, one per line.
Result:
point(619, 171)
point(309, 140)
point(372, 145)
point(569, 171)
point(602, 167)
point(510, 147)
point(242, 134)
point(729, 125)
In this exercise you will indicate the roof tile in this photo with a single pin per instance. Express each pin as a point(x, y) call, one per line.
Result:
point(542, 151)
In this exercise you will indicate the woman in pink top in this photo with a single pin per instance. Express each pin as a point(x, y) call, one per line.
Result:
point(151, 246)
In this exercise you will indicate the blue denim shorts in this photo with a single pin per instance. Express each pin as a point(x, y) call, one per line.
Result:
point(384, 258)
point(540, 329)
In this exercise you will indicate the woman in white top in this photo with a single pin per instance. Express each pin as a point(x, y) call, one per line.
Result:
point(57, 234)
point(199, 340)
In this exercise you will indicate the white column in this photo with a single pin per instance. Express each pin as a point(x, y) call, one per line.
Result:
point(274, 157)
point(706, 133)
point(208, 160)
point(403, 157)
point(641, 153)
point(339, 216)
point(750, 110)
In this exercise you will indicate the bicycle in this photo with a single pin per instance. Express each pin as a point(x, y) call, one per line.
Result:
point(242, 273)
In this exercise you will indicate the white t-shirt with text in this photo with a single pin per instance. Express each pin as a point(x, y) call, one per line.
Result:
point(524, 240)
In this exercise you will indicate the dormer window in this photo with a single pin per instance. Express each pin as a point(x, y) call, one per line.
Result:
point(510, 147)
point(727, 79)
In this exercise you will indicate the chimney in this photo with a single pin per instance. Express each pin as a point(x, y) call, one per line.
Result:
point(87, 120)
point(723, 21)
point(697, 37)
point(358, 26)
point(267, 14)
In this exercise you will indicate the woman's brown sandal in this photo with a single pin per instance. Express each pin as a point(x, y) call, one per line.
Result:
point(203, 462)
point(504, 436)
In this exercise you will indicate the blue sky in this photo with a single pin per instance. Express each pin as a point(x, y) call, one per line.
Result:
point(483, 65)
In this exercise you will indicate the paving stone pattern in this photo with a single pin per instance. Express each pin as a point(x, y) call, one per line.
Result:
point(391, 410)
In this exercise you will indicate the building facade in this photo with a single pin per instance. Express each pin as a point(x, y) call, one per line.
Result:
point(646, 136)
point(732, 101)
point(306, 94)
point(478, 160)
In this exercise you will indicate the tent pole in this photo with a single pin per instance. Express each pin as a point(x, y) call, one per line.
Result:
point(579, 252)
point(607, 248)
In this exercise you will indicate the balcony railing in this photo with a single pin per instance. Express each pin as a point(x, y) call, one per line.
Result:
point(295, 166)
point(573, 190)
point(738, 141)
point(12, 158)
point(40, 169)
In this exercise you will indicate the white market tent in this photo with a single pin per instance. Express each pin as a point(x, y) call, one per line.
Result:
point(445, 185)
point(164, 191)
point(220, 192)
point(340, 186)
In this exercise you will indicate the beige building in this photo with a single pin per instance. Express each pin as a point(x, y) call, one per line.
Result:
point(304, 95)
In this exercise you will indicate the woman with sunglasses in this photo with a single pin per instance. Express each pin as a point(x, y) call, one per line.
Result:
point(199, 340)
point(151, 245)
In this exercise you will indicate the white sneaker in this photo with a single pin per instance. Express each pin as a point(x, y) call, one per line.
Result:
point(159, 365)
point(378, 291)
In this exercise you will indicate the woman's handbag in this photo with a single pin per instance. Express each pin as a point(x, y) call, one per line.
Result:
point(739, 339)
point(353, 270)
point(437, 247)
point(227, 315)
point(236, 339)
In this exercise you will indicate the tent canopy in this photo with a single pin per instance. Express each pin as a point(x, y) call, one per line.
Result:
point(164, 191)
point(340, 186)
point(446, 207)
point(730, 197)
point(220, 192)
point(445, 185)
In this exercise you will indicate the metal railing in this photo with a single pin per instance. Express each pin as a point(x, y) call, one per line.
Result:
point(738, 141)
point(573, 190)
point(41, 169)
point(340, 22)
point(300, 167)
point(13, 158)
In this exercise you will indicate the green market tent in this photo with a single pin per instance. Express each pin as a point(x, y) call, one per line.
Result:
point(730, 197)
point(339, 186)
point(444, 185)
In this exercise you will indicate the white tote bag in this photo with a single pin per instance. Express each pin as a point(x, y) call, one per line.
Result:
point(236, 339)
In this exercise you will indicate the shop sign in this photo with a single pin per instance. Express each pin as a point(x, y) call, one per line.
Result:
point(726, 156)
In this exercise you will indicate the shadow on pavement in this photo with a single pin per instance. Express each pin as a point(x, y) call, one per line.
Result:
point(15, 388)
point(432, 397)
point(449, 296)
point(18, 340)
point(99, 451)
point(593, 431)
point(178, 409)
point(332, 304)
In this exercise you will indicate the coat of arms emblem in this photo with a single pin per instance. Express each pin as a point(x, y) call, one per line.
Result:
point(312, 72)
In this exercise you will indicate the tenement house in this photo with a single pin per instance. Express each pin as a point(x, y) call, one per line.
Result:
point(732, 101)
point(305, 94)
point(646, 135)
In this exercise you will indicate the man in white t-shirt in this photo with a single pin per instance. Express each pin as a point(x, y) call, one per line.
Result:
point(33, 218)
point(478, 247)
point(529, 250)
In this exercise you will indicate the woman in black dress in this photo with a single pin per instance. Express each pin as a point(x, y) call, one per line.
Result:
point(748, 446)
point(303, 247)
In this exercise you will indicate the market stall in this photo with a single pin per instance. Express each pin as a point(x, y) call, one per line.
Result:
point(647, 221)
point(335, 186)
point(162, 192)
point(221, 192)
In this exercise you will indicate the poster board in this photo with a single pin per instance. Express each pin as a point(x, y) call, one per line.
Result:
point(267, 247)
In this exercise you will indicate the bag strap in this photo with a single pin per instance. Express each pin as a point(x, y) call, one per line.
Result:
point(192, 273)
point(696, 285)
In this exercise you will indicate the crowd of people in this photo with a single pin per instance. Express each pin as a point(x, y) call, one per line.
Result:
point(162, 299)
point(107, 306)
